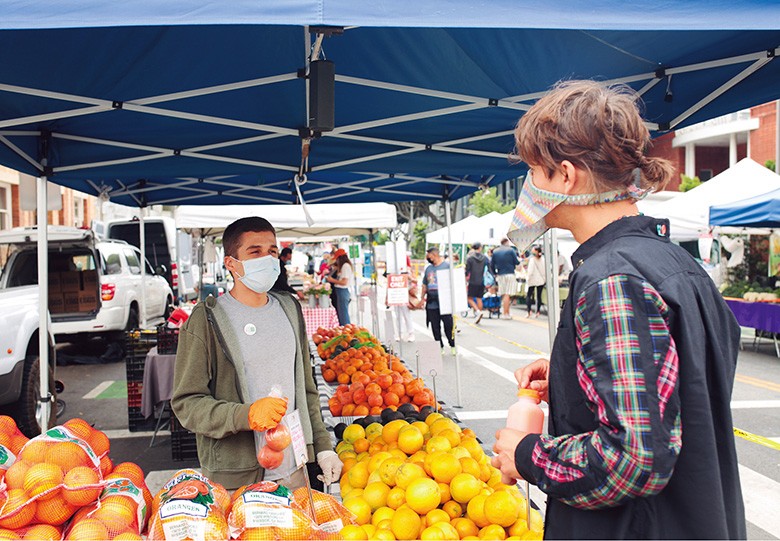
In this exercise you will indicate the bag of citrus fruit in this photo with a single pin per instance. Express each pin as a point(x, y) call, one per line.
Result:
point(119, 513)
point(268, 510)
point(329, 514)
point(11, 442)
point(274, 452)
point(53, 475)
point(188, 507)
point(37, 532)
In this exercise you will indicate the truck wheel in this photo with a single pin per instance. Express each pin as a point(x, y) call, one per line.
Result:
point(132, 319)
point(24, 411)
point(168, 308)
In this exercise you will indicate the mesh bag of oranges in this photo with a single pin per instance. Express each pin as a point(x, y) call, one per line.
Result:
point(119, 513)
point(53, 475)
point(268, 510)
point(189, 506)
point(11, 442)
point(329, 514)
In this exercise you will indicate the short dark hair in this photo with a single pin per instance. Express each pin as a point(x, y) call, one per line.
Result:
point(285, 252)
point(432, 249)
point(476, 246)
point(232, 235)
point(504, 241)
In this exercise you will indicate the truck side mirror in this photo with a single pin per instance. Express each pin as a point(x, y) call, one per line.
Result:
point(160, 270)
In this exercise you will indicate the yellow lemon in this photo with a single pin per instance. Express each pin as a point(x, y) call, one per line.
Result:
point(407, 473)
point(451, 435)
point(376, 495)
point(433, 417)
point(353, 533)
point(360, 508)
point(445, 468)
point(437, 443)
point(383, 535)
point(373, 429)
point(473, 447)
point(469, 465)
point(382, 514)
point(377, 459)
point(405, 524)
point(501, 508)
point(422, 495)
point(450, 533)
point(432, 534)
point(422, 427)
point(358, 475)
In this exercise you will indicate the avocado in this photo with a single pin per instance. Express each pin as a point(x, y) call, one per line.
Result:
point(339, 430)
point(407, 409)
point(386, 415)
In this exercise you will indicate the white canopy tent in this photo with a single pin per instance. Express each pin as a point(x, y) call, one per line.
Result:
point(327, 221)
point(689, 212)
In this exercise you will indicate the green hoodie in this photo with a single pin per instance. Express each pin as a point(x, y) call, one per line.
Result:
point(209, 390)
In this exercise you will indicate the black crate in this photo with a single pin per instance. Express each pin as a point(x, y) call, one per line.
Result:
point(183, 446)
point(167, 340)
point(136, 422)
point(134, 368)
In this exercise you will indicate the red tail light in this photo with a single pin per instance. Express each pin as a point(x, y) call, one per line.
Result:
point(107, 291)
point(174, 274)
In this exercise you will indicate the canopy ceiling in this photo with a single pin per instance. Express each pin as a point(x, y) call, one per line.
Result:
point(202, 103)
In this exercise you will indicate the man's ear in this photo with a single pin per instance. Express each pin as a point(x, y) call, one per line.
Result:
point(575, 180)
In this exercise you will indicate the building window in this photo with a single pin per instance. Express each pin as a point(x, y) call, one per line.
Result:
point(705, 174)
point(78, 212)
point(5, 207)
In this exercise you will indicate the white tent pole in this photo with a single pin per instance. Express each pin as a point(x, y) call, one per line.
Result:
point(551, 272)
point(375, 287)
point(43, 411)
point(452, 295)
point(142, 242)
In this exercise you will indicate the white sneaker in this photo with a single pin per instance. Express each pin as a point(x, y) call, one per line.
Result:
point(478, 316)
point(454, 351)
point(410, 337)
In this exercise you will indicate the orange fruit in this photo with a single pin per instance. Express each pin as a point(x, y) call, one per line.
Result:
point(88, 529)
point(221, 496)
point(128, 535)
point(17, 442)
point(99, 443)
point(18, 512)
point(8, 534)
point(43, 478)
point(34, 452)
point(132, 471)
point(8, 425)
point(406, 524)
point(43, 532)
point(389, 469)
point(54, 511)
point(79, 428)
point(14, 476)
point(67, 455)
point(492, 531)
point(465, 527)
point(501, 508)
point(453, 509)
point(432, 533)
point(351, 532)
point(423, 495)
point(436, 515)
point(410, 440)
point(476, 510)
point(360, 508)
point(445, 468)
point(79, 489)
point(392, 429)
point(444, 491)
point(464, 487)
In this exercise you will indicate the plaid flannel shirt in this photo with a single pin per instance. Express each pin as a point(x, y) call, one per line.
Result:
point(628, 370)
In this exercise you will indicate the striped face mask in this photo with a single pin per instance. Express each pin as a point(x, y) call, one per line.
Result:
point(534, 204)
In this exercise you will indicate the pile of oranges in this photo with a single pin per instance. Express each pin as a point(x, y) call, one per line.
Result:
point(427, 480)
point(57, 475)
point(330, 342)
point(370, 380)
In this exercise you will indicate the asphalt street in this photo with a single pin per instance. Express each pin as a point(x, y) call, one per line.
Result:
point(478, 386)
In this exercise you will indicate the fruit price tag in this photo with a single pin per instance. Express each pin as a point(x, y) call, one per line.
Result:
point(430, 358)
point(7, 458)
point(293, 421)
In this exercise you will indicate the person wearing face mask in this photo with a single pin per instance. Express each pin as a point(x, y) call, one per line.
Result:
point(232, 351)
point(640, 439)
point(340, 279)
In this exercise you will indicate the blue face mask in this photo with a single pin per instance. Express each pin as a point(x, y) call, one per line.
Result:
point(260, 274)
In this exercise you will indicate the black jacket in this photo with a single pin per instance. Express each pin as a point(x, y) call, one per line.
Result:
point(702, 498)
point(281, 282)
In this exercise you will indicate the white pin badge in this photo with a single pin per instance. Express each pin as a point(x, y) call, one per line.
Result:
point(250, 329)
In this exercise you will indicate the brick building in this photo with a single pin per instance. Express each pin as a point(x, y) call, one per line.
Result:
point(78, 209)
point(708, 148)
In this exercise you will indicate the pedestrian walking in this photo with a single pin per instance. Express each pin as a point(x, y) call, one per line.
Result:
point(430, 296)
point(503, 264)
point(535, 279)
point(476, 263)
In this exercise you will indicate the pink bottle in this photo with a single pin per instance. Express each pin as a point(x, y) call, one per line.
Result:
point(525, 415)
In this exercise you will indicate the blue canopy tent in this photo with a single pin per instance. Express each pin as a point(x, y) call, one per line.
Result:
point(760, 211)
point(206, 102)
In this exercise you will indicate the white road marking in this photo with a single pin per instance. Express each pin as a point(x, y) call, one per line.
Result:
point(754, 404)
point(493, 351)
point(99, 389)
point(762, 500)
point(490, 365)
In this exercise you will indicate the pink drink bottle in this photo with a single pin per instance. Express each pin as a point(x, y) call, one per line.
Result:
point(525, 415)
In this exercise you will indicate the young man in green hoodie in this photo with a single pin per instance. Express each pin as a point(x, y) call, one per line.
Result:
point(232, 351)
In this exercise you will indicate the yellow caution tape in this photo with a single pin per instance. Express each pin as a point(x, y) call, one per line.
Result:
point(761, 440)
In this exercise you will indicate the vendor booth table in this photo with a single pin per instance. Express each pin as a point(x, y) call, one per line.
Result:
point(764, 317)
point(319, 317)
point(158, 381)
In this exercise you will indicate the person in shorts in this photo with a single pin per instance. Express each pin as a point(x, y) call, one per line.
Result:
point(503, 264)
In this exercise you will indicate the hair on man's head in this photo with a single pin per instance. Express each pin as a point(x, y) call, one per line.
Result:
point(231, 238)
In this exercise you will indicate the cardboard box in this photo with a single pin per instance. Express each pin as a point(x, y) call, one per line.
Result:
point(70, 300)
point(70, 281)
point(56, 303)
point(88, 301)
point(54, 282)
point(89, 280)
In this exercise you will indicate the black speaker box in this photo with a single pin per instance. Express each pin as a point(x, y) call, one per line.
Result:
point(322, 88)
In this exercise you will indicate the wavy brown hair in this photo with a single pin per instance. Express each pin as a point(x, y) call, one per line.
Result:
point(596, 127)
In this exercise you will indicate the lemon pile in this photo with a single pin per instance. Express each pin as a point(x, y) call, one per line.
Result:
point(427, 480)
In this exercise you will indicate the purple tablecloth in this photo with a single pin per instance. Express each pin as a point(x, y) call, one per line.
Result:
point(764, 316)
point(158, 380)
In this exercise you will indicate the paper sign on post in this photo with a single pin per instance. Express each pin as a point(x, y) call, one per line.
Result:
point(397, 289)
point(430, 358)
point(445, 299)
point(293, 421)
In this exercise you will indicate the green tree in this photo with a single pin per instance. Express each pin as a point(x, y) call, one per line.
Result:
point(688, 183)
point(487, 201)
point(418, 240)
point(770, 164)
